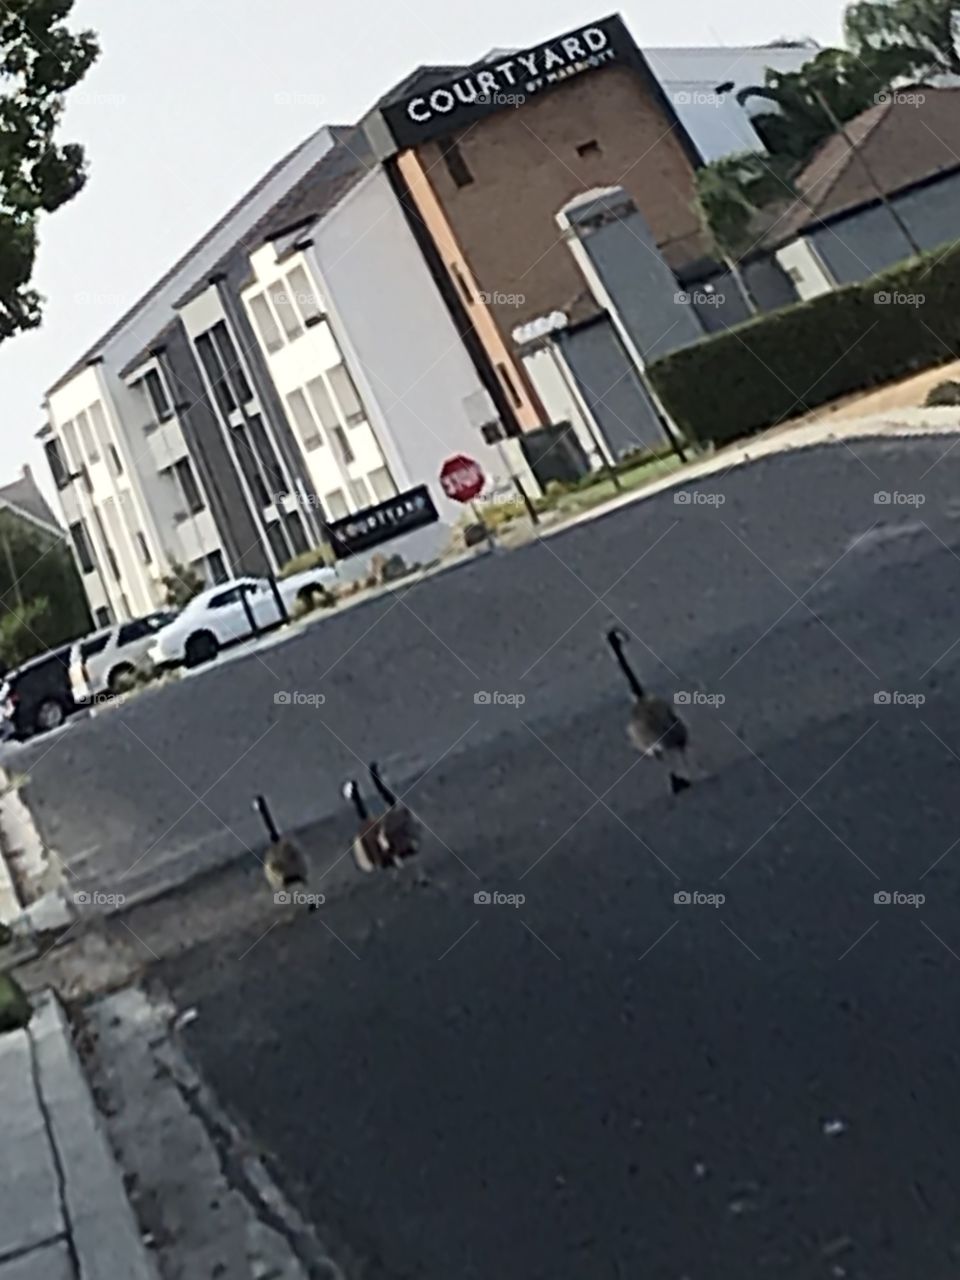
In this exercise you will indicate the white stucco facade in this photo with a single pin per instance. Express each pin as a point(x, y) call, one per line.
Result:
point(131, 511)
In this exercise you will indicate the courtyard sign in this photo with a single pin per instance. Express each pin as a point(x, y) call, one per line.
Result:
point(375, 525)
point(509, 81)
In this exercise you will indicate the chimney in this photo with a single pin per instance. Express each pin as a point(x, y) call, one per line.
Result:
point(27, 473)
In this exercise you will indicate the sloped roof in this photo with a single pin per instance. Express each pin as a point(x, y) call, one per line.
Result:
point(23, 498)
point(178, 266)
point(320, 188)
point(909, 139)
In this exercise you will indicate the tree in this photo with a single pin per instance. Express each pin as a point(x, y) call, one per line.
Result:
point(181, 584)
point(42, 602)
point(733, 191)
point(40, 61)
point(923, 33)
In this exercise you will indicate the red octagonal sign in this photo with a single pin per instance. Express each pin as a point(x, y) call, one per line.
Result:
point(462, 479)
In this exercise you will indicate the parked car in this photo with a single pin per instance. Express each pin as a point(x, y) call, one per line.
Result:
point(219, 617)
point(37, 697)
point(102, 662)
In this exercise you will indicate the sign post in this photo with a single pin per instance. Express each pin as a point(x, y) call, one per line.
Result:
point(462, 480)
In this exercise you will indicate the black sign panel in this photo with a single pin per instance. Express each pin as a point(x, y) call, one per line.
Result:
point(375, 525)
point(509, 81)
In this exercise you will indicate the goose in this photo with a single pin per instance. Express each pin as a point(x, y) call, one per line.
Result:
point(367, 851)
point(285, 866)
point(399, 832)
point(655, 729)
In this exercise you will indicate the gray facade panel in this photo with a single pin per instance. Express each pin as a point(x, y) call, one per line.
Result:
point(211, 458)
point(236, 277)
point(613, 390)
point(644, 291)
point(769, 285)
point(869, 241)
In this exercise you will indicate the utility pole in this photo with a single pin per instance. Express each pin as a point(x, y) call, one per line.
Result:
point(885, 200)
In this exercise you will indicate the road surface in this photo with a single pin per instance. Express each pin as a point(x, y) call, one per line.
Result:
point(605, 1079)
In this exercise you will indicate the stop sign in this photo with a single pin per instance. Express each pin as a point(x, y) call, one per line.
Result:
point(461, 478)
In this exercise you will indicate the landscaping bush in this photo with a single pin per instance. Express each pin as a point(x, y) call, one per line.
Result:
point(777, 366)
point(315, 558)
point(15, 1008)
point(945, 393)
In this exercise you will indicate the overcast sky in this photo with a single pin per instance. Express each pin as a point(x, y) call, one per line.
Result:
point(193, 100)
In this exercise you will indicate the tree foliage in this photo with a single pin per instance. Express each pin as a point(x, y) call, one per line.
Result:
point(890, 41)
point(181, 584)
point(42, 603)
point(924, 33)
point(41, 59)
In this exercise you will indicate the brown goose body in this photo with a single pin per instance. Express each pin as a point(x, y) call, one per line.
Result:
point(399, 833)
point(366, 846)
point(285, 865)
point(654, 728)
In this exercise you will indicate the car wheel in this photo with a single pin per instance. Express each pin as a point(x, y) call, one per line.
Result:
point(119, 681)
point(202, 647)
point(50, 715)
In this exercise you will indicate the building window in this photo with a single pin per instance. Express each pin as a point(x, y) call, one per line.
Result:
point(248, 465)
point(509, 384)
point(269, 462)
point(302, 419)
point(381, 482)
point(231, 362)
point(90, 450)
point(156, 393)
point(103, 617)
point(267, 326)
point(72, 445)
point(360, 494)
point(457, 166)
point(278, 543)
point(346, 394)
point(347, 455)
point(112, 559)
point(99, 421)
point(144, 549)
point(115, 460)
point(304, 295)
point(216, 570)
point(462, 285)
point(57, 464)
point(188, 486)
point(591, 148)
point(214, 370)
point(219, 358)
point(81, 544)
point(335, 506)
point(296, 533)
point(317, 390)
point(283, 305)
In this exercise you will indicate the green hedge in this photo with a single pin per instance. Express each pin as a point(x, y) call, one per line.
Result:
point(778, 366)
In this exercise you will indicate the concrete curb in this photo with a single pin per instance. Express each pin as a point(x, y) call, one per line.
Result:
point(101, 1224)
point(20, 843)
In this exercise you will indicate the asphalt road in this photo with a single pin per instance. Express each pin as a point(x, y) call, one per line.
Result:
point(604, 1080)
point(148, 794)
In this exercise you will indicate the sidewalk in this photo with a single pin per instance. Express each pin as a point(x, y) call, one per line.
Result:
point(64, 1213)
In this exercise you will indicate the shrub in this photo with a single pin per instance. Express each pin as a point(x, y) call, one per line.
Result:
point(181, 583)
point(315, 558)
point(15, 1008)
point(311, 599)
point(775, 367)
point(945, 393)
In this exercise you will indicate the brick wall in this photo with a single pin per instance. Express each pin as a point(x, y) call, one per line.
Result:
point(526, 166)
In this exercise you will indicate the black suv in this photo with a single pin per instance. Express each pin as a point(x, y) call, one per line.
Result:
point(37, 697)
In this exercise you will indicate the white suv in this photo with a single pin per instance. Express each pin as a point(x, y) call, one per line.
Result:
point(222, 616)
point(102, 662)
